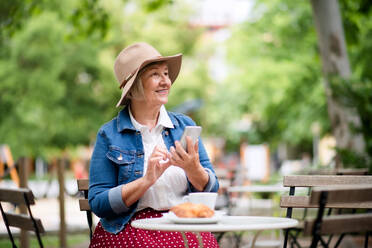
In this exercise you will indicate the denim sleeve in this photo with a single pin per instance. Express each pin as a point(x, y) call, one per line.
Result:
point(104, 194)
point(212, 185)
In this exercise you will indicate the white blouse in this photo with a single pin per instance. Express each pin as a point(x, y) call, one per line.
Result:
point(169, 189)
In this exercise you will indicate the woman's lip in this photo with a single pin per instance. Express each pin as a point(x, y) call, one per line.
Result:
point(162, 91)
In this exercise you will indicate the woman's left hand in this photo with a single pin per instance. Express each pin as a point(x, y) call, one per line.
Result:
point(189, 161)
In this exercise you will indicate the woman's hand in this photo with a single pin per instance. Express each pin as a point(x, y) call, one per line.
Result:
point(189, 161)
point(156, 166)
point(133, 191)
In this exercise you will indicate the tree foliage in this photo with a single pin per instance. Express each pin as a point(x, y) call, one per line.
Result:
point(275, 75)
point(357, 92)
point(45, 98)
point(56, 67)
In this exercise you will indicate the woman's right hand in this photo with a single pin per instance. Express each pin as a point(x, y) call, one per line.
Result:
point(133, 191)
point(154, 167)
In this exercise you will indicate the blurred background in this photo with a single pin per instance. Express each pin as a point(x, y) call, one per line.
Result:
point(255, 76)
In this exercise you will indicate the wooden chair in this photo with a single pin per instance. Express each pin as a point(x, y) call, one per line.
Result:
point(83, 186)
point(357, 196)
point(25, 197)
point(342, 171)
point(295, 201)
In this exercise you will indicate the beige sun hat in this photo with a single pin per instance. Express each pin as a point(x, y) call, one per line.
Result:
point(133, 58)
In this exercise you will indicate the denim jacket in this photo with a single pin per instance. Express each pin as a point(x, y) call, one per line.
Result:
point(118, 158)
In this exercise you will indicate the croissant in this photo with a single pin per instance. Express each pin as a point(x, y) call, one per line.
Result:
point(192, 210)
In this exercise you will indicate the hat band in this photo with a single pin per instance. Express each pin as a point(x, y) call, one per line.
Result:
point(127, 79)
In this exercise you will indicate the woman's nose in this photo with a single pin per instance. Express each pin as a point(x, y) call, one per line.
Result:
point(165, 80)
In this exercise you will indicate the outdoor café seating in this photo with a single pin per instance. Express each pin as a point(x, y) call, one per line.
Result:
point(357, 196)
point(24, 198)
point(293, 201)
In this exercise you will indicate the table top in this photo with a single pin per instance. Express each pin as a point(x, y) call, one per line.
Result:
point(225, 224)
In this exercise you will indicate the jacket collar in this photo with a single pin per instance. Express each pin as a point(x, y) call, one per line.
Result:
point(124, 122)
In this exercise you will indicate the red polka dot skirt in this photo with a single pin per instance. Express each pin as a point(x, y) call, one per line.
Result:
point(131, 237)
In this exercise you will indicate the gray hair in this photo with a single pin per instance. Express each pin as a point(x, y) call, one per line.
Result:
point(136, 91)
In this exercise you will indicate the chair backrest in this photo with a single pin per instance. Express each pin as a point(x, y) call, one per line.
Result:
point(293, 201)
point(20, 196)
point(83, 186)
point(308, 181)
point(341, 171)
point(357, 195)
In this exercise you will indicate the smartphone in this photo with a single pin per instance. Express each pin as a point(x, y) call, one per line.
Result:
point(193, 132)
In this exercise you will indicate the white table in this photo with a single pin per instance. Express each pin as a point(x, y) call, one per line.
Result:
point(226, 224)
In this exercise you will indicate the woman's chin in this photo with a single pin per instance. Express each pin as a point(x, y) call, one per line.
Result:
point(163, 100)
point(159, 102)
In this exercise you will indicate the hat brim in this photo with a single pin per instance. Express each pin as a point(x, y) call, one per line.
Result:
point(174, 66)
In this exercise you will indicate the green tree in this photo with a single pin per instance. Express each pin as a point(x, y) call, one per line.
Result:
point(46, 90)
point(275, 77)
point(356, 92)
point(56, 67)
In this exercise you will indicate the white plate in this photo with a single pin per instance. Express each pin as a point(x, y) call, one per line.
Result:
point(175, 219)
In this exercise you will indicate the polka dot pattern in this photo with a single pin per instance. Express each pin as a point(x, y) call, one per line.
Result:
point(131, 237)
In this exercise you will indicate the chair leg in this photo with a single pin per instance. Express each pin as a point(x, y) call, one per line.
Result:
point(89, 217)
point(329, 239)
point(324, 244)
point(294, 237)
point(33, 221)
point(7, 227)
point(366, 240)
point(285, 238)
point(339, 240)
point(288, 215)
point(314, 242)
point(90, 223)
point(317, 224)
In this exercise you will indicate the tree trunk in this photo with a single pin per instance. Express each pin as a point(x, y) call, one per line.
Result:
point(335, 62)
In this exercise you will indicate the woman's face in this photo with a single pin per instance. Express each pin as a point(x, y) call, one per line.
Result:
point(156, 84)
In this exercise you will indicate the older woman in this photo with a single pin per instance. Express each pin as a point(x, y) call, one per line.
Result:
point(138, 168)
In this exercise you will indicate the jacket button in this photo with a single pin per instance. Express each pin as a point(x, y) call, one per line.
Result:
point(166, 133)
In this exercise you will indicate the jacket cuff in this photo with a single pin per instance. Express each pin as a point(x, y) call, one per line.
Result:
point(116, 201)
point(209, 186)
point(211, 182)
